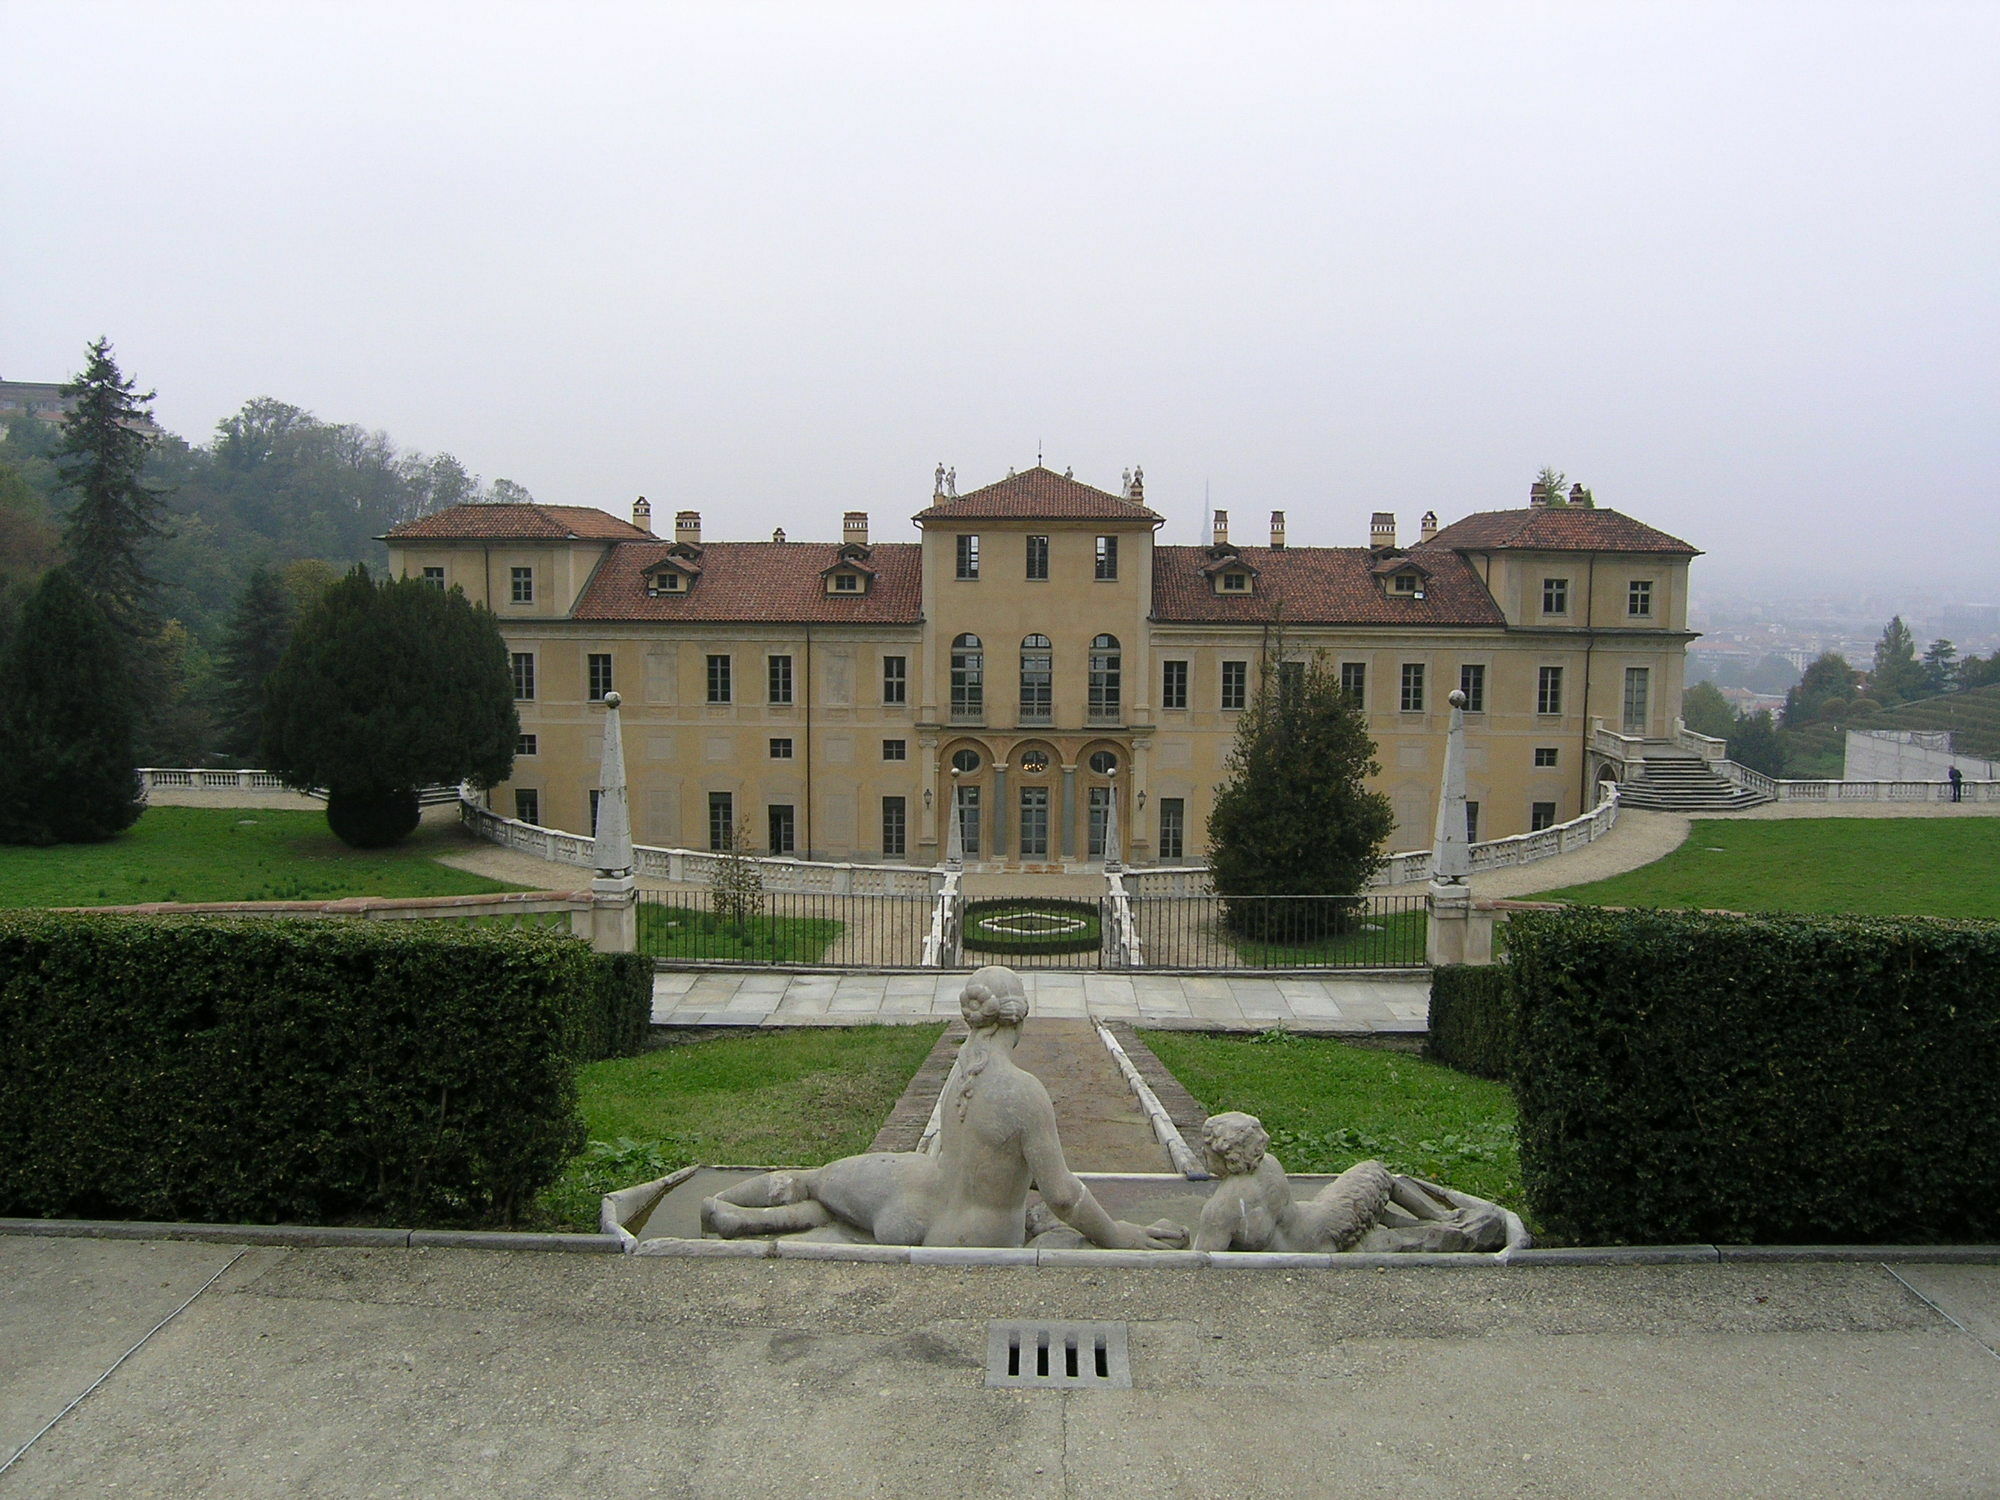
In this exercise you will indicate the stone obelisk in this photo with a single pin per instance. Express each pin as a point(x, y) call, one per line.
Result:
point(615, 925)
point(1453, 936)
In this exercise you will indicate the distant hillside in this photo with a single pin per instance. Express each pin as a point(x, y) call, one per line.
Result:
point(1973, 717)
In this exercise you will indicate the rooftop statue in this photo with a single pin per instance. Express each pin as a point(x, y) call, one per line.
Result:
point(998, 1138)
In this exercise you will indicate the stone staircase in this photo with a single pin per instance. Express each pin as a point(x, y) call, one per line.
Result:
point(1685, 784)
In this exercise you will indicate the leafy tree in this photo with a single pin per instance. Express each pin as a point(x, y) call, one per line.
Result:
point(1706, 711)
point(1755, 744)
point(1976, 672)
point(1294, 816)
point(259, 631)
point(115, 515)
point(1554, 484)
point(1940, 666)
point(1827, 678)
point(1898, 676)
point(67, 772)
point(386, 688)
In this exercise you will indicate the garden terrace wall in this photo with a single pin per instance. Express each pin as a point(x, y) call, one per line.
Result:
point(188, 1068)
point(1695, 1077)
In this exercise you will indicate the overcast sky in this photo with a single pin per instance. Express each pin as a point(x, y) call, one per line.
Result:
point(1733, 266)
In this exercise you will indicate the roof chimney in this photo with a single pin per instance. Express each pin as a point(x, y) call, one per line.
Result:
point(642, 515)
point(1580, 496)
point(687, 527)
point(854, 527)
point(778, 534)
point(1222, 528)
point(1382, 529)
point(1277, 529)
point(1538, 496)
point(1428, 527)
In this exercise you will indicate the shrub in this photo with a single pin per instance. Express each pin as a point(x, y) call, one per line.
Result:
point(1069, 939)
point(373, 819)
point(1768, 1079)
point(265, 1071)
point(1473, 1025)
point(619, 1012)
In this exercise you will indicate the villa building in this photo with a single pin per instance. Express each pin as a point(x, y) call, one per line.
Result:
point(1038, 657)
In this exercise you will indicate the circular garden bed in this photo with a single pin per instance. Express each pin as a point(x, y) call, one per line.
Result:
point(1033, 924)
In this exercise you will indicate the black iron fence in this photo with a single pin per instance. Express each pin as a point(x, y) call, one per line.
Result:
point(1207, 932)
point(809, 928)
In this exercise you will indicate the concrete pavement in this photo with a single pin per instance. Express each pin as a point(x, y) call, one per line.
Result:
point(442, 1373)
point(1215, 1002)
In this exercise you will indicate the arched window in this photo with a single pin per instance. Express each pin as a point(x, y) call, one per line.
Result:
point(1106, 677)
point(968, 678)
point(1037, 679)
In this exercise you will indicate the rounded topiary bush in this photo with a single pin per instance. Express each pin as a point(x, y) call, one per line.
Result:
point(372, 819)
point(1031, 925)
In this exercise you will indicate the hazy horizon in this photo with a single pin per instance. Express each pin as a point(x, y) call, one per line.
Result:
point(1733, 268)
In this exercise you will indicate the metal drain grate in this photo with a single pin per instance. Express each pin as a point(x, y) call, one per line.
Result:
point(1058, 1356)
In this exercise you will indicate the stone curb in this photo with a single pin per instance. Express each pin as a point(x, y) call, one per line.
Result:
point(1185, 1161)
point(476, 1239)
point(311, 1236)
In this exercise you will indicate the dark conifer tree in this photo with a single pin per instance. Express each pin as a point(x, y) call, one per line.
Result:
point(114, 516)
point(259, 631)
point(383, 690)
point(66, 722)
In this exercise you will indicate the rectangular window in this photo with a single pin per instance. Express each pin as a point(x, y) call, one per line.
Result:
point(895, 679)
point(1100, 820)
point(524, 585)
point(845, 583)
point(779, 672)
point(1638, 684)
point(1038, 670)
point(1173, 828)
point(779, 818)
point(1034, 822)
point(1639, 597)
point(968, 820)
point(600, 675)
point(895, 828)
point(1472, 683)
point(1541, 815)
point(1545, 755)
point(895, 749)
point(781, 749)
point(434, 577)
point(1038, 557)
point(524, 675)
point(968, 678)
point(1107, 557)
point(596, 797)
point(1235, 684)
point(1354, 682)
point(1549, 691)
point(1106, 678)
point(1173, 684)
point(968, 557)
point(524, 744)
point(721, 820)
point(527, 804)
point(1413, 687)
point(718, 679)
point(1555, 596)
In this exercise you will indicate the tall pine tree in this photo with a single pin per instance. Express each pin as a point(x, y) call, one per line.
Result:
point(114, 515)
point(66, 722)
point(259, 631)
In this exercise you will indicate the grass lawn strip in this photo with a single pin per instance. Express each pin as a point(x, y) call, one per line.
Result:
point(687, 932)
point(232, 854)
point(1384, 940)
point(1883, 867)
point(792, 1098)
point(1329, 1104)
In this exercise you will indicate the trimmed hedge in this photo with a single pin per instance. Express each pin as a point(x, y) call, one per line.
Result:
point(1473, 1026)
point(267, 1071)
point(619, 1012)
point(1086, 941)
point(1771, 1079)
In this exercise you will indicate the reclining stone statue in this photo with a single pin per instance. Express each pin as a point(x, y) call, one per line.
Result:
point(997, 1137)
point(1367, 1207)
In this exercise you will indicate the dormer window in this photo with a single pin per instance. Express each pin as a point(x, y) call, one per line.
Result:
point(1409, 585)
point(671, 577)
point(846, 583)
point(1232, 583)
point(668, 583)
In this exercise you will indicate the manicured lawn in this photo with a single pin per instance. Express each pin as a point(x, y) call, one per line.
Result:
point(789, 1098)
point(1329, 1104)
point(686, 932)
point(231, 854)
point(1938, 867)
point(1383, 940)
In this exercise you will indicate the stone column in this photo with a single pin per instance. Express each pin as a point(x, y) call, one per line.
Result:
point(927, 814)
point(999, 810)
point(1142, 844)
point(615, 920)
point(1113, 860)
point(1069, 812)
point(1449, 938)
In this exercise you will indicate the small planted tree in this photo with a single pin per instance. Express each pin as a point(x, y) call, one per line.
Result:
point(1295, 816)
point(384, 689)
point(67, 772)
point(736, 884)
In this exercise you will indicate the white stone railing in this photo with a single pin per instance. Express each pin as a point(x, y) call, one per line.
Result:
point(1121, 933)
point(1877, 791)
point(1411, 866)
point(1626, 748)
point(1707, 746)
point(1743, 776)
point(943, 944)
point(697, 866)
point(199, 779)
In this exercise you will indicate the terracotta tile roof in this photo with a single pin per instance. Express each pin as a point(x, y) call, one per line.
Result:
point(778, 582)
point(517, 523)
point(1558, 528)
point(1319, 586)
point(1035, 494)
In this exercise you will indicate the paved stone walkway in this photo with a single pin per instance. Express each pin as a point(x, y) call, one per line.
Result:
point(1210, 1002)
